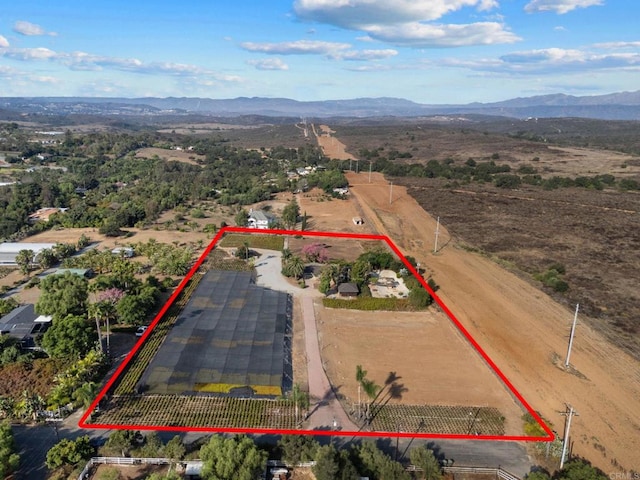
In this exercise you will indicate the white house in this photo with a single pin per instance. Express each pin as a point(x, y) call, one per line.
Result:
point(260, 219)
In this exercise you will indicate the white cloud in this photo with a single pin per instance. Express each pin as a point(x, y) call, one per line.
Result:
point(364, 55)
point(430, 35)
point(615, 45)
point(30, 29)
point(300, 47)
point(4, 43)
point(6, 72)
point(28, 54)
point(370, 68)
point(559, 6)
point(409, 22)
point(269, 64)
point(44, 79)
point(550, 61)
point(355, 14)
point(84, 61)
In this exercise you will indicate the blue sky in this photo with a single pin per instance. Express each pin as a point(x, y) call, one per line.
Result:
point(428, 51)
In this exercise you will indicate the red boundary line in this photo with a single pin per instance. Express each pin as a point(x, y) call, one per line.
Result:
point(549, 437)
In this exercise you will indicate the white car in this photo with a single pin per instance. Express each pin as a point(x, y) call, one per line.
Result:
point(140, 331)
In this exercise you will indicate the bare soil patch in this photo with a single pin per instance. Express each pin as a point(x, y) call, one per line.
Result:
point(171, 155)
point(433, 361)
point(329, 214)
point(331, 146)
point(522, 329)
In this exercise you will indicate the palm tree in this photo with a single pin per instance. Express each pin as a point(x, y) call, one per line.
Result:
point(293, 267)
point(86, 393)
point(360, 376)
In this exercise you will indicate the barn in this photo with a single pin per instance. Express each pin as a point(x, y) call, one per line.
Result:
point(9, 251)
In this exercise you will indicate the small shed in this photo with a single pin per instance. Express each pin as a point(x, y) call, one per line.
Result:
point(348, 289)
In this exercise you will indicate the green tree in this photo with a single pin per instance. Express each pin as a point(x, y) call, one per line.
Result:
point(69, 452)
point(47, 258)
point(174, 449)
point(9, 459)
point(327, 465)
point(293, 267)
point(242, 218)
point(63, 295)
point(235, 458)
point(290, 214)
point(579, 469)
point(121, 441)
point(69, 337)
point(152, 445)
point(134, 309)
point(7, 305)
point(374, 463)
point(425, 459)
point(86, 393)
point(24, 259)
point(419, 297)
point(298, 448)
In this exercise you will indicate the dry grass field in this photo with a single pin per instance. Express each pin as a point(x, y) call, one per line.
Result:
point(170, 155)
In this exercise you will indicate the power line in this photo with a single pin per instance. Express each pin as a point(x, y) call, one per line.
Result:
point(573, 331)
point(565, 441)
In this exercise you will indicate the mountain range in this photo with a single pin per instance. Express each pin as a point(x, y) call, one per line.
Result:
point(615, 106)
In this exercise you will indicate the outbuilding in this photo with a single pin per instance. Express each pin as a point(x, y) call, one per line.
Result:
point(9, 251)
point(348, 289)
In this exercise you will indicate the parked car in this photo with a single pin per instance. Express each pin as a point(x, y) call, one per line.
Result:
point(140, 331)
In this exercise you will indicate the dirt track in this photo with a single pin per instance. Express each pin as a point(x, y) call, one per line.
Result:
point(522, 330)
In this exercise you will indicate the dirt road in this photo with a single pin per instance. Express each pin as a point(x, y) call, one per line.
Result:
point(522, 329)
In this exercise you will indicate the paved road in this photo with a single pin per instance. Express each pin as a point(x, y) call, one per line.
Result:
point(326, 411)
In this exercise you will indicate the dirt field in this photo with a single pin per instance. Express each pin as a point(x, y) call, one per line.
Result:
point(430, 356)
point(523, 331)
point(331, 146)
point(170, 155)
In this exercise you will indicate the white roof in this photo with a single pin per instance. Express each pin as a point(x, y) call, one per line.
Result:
point(14, 247)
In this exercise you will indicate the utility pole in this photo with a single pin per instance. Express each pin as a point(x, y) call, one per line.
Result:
point(565, 440)
point(390, 191)
point(370, 165)
point(435, 248)
point(573, 331)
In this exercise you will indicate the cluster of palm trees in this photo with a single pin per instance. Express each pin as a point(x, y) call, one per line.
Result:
point(378, 396)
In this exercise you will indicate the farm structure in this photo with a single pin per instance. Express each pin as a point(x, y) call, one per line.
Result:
point(9, 251)
point(232, 338)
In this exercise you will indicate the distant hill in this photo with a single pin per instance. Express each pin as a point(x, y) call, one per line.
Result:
point(615, 106)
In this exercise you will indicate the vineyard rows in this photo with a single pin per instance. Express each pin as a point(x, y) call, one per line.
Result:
point(143, 357)
point(438, 419)
point(198, 411)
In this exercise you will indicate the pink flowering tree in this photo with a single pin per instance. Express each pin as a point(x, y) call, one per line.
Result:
point(315, 252)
